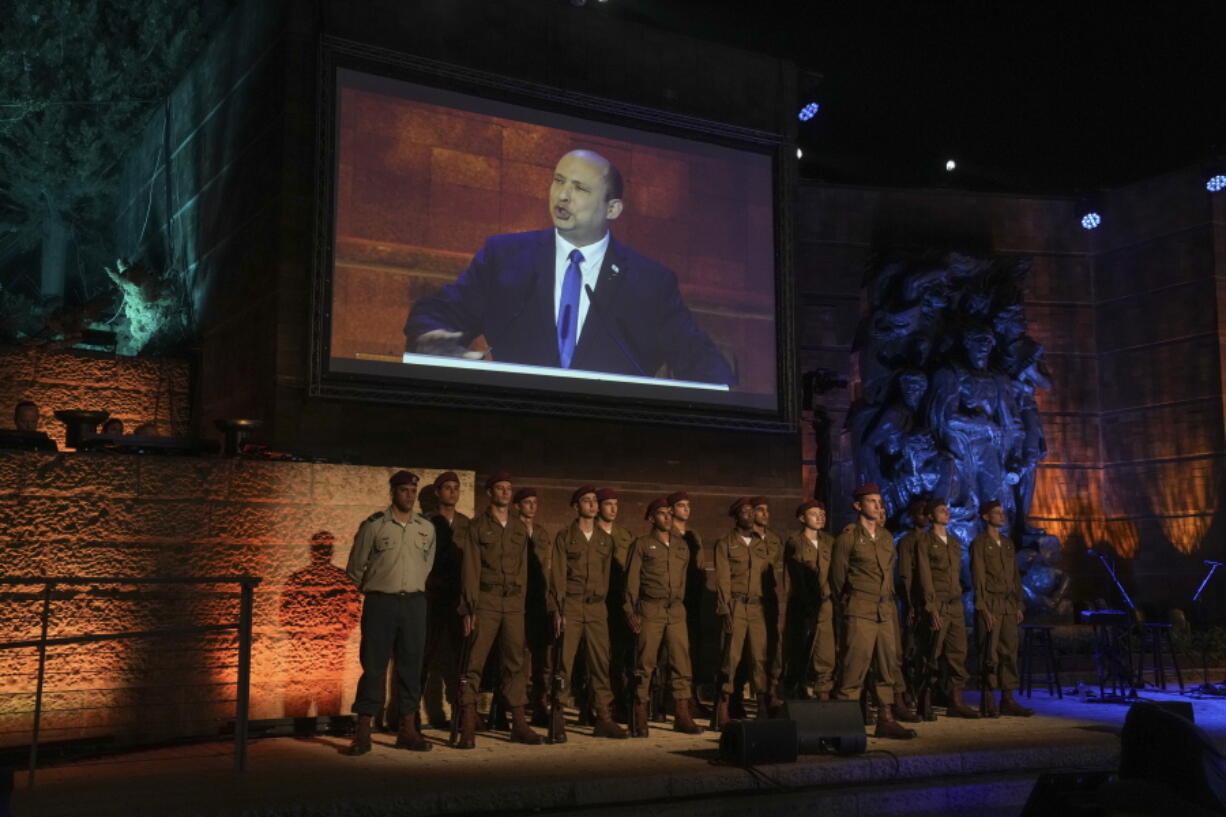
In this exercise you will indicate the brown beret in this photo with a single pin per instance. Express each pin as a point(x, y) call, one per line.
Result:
point(865, 489)
point(811, 503)
point(606, 493)
point(933, 504)
point(677, 496)
point(497, 477)
point(402, 478)
point(580, 491)
point(446, 476)
point(988, 505)
point(522, 494)
point(918, 505)
point(737, 505)
point(655, 505)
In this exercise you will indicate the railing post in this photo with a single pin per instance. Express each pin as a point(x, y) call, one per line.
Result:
point(244, 675)
point(42, 673)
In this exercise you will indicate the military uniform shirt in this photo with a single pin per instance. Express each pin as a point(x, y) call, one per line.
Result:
point(390, 557)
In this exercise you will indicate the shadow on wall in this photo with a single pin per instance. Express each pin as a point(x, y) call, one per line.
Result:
point(320, 607)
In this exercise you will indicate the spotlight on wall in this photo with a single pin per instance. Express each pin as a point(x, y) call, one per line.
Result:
point(800, 154)
point(951, 166)
point(1216, 183)
point(1091, 220)
point(808, 111)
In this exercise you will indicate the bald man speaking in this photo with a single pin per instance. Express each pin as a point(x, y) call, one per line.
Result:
point(572, 297)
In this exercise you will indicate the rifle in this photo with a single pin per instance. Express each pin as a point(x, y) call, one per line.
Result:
point(461, 685)
point(557, 719)
point(725, 647)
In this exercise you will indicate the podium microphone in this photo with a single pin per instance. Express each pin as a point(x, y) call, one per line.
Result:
point(604, 321)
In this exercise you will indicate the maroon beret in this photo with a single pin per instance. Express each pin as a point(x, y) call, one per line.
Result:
point(865, 489)
point(497, 477)
point(580, 491)
point(677, 496)
point(933, 504)
point(918, 505)
point(655, 505)
point(811, 503)
point(522, 494)
point(988, 505)
point(606, 493)
point(402, 478)
point(759, 500)
point(736, 506)
point(446, 476)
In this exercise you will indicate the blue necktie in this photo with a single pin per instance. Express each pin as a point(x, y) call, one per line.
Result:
point(568, 309)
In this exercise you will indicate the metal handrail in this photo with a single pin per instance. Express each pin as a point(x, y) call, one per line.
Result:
point(243, 626)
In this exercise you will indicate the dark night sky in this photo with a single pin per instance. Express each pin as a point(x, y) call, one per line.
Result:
point(1051, 97)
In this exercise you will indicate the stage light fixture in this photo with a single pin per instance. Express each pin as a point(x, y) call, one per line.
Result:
point(1216, 183)
point(951, 165)
point(809, 111)
point(800, 154)
point(1091, 220)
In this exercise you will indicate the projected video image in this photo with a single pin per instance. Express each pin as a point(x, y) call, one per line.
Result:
point(490, 244)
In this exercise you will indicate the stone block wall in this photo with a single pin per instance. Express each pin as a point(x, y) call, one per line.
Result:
point(136, 390)
point(291, 524)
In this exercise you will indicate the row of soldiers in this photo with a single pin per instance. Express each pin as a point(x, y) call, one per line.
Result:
point(442, 593)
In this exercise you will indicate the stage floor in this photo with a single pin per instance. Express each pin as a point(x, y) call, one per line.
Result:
point(954, 767)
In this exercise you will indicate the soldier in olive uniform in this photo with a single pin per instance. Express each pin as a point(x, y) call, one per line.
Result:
point(998, 609)
point(742, 561)
point(391, 557)
point(774, 599)
point(810, 610)
point(695, 585)
point(443, 593)
point(583, 559)
point(655, 611)
point(910, 603)
point(493, 583)
point(621, 640)
point(941, 624)
point(862, 581)
point(538, 618)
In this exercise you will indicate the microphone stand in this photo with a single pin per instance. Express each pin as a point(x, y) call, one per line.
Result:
point(1206, 687)
point(1132, 692)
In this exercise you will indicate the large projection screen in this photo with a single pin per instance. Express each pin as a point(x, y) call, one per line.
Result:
point(452, 219)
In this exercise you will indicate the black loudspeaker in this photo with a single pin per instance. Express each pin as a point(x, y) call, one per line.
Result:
point(1065, 793)
point(753, 743)
point(1181, 708)
point(827, 726)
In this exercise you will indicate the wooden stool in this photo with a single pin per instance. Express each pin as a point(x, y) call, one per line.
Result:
point(1037, 638)
point(1153, 636)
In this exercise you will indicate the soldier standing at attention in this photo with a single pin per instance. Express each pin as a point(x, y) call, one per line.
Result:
point(655, 611)
point(443, 596)
point(998, 609)
point(941, 622)
point(391, 557)
point(621, 640)
point(742, 559)
point(862, 580)
point(494, 581)
point(538, 615)
point(910, 603)
point(583, 559)
point(695, 584)
point(774, 598)
point(812, 612)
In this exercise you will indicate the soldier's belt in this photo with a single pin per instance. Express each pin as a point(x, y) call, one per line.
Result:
point(667, 602)
point(503, 590)
point(880, 599)
point(745, 599)
point(592, 599)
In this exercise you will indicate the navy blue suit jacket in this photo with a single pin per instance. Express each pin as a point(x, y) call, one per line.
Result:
point(637, 320)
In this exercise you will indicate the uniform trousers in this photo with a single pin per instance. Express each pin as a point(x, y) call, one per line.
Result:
point(948, 644)
point(998, 649)
point(588, 623)
point(506, 627)
point(392, 624)
point(868, 642)
point(748, 633)
point(661, 621)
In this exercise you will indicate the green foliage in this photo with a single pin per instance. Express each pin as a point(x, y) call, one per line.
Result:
point(78, 79)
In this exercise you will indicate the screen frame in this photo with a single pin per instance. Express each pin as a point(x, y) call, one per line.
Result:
point(338, 53)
